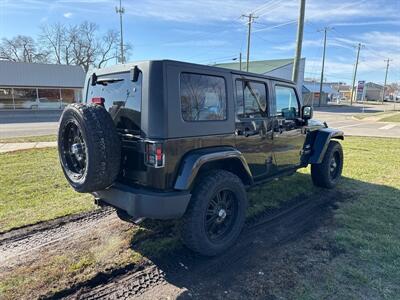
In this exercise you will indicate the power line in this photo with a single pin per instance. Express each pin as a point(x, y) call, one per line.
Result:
point(275, 26)
point(264, 6)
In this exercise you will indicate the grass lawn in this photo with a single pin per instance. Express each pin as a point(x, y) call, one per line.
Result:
point(393, 118)
point(362, 116)
point(366, 228)
point(34, 189)
point(29, 139)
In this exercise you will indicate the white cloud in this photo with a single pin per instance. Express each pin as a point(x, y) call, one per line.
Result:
point(67, 15)
point(368, 23)
point(282, 11)
point(292, 46)
point(198, 43)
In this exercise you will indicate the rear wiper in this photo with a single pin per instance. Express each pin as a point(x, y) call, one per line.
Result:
point(105, 81)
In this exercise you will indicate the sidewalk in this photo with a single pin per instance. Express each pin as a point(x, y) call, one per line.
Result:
point(8, 147)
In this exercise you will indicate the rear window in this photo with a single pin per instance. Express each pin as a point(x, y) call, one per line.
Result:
point(121, 90)
point(203, 97)
point(123, 98)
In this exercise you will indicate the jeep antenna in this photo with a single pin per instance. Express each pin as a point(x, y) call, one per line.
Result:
point(120, 10)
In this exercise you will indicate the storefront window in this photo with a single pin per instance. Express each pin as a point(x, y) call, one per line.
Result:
point(49, 98)
point(25, 98)
point(70, 95)
point(6, 99)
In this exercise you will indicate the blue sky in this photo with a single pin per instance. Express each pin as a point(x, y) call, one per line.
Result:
point(212, 31)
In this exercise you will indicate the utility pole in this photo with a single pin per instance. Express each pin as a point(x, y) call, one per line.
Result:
point(240, 61)
point(300, 30)
point(355, 73)
point(386, 74)
point(120, 10)
point(251, 18)
point(323, 65)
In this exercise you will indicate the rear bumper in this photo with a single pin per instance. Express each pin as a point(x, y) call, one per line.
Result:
point(142, 203)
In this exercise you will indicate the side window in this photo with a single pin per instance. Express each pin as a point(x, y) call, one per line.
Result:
point(286, 102)
point(203, 97)
point(251, 99)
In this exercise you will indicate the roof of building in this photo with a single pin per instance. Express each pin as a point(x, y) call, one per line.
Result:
point(313, 87)
point(374, 85)
point(258, 66)
point(40, 75)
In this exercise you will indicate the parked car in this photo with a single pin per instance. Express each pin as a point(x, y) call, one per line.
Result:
point(43, 103)
point(167, 139)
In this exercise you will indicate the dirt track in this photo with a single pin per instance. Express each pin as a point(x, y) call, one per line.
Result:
point(272, 252)
point(25, 241)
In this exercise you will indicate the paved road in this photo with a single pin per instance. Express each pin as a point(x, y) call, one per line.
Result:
point(19, 123)
point(27, 129)
point(342, 117)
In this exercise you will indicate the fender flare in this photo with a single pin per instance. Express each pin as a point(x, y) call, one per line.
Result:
point(193, 161)
point(321, 142)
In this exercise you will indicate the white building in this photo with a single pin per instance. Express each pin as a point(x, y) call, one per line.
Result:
point(39, 86)
point(281, 68)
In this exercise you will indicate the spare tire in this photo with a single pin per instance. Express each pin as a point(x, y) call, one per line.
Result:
point(89, 147)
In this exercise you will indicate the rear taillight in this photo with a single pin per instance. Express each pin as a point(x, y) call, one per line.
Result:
point(98, 100)
point(154, 155)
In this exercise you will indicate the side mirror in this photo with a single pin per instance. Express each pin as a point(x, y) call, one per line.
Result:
point(135, 74)
point(307, 112)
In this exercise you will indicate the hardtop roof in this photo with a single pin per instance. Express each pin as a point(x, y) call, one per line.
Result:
point(128, 66)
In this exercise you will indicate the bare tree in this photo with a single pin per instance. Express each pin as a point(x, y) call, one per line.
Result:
point(80, 44)
point(54, 38)
point(106, 48)
point(21, 49)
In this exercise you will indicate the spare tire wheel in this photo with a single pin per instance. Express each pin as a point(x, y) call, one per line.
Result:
point(89, 147)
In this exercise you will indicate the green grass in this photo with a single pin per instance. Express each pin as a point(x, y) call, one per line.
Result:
point(362, 116)
point(393, 118)
point(33, 189)
point(366, 227)
point(29, 139)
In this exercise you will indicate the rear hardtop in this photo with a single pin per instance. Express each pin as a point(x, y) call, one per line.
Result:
point(160, 107)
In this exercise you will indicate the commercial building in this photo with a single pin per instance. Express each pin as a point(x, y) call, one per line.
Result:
point(311, 92)
point(373, 91)
point(39, 86)
point(281, 68)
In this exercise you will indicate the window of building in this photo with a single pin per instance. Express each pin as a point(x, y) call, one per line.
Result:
point(6, 98)
point(49, 98)
point(25, 98)
point(251, 99)
point(287, 104)
point(70, 95)
point(203, 97)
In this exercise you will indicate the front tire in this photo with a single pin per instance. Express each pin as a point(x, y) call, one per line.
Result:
point(216, 213)
point(328, 173)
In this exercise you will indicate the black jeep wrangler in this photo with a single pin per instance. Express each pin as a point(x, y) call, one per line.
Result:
point(167, 139)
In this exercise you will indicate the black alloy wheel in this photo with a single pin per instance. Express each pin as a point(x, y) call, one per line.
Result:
point(216, 213)
point(73, 150)
point(334, 165)
point(328, 173)
point(221, 214)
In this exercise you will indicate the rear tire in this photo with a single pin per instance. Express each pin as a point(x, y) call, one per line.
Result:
point(89, 147)
point(216, 213)
point(328, 173)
